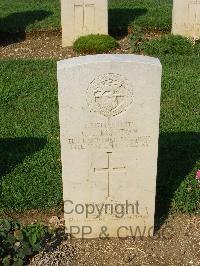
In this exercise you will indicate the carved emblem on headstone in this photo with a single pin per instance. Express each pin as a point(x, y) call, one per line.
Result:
point(109, 94)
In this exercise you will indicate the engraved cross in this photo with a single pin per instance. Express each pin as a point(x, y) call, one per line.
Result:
point(84, 6)
point(110, 170)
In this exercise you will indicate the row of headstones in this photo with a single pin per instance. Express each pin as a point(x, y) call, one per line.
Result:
point(83, 17)
point(109, 108)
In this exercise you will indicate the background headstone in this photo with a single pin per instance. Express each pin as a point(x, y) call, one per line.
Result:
point(109, 109)
point(83, 17)
point(186, 18)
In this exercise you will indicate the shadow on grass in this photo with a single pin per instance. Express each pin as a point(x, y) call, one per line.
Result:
point(178, 153)
point(13, 27)
point(14, 150)
point(120, 19)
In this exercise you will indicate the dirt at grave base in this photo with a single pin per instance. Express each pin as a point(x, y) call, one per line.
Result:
point(43, 45)
point(176, 243)
point(47, 44)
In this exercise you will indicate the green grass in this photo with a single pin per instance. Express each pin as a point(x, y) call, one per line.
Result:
point(164, 45)
point(148, 14)
point(29, 15)
point(179, 149)
point(30, 170)
point(30, 174)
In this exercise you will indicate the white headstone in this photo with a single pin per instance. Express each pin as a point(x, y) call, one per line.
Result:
point(109, 109)
point(186, 18)
point(83, 17)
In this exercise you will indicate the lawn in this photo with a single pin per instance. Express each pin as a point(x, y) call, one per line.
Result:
point(29, 15)
point(30, 173)
point(30, 168)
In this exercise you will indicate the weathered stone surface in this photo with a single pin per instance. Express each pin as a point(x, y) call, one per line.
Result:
point(186, 18)
point(109, 109)
point(83, 17)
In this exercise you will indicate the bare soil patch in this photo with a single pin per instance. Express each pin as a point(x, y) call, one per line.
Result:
point(43, 45)
point(31, 216)
point(176, 243)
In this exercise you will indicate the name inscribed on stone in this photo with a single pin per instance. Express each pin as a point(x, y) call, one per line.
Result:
point(105, 136)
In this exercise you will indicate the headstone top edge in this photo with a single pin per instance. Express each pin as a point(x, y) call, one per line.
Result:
point(108, 58)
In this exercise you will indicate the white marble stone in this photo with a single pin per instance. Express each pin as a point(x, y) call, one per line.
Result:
point(186, 18)
point(83, 17)
point(109, 109)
